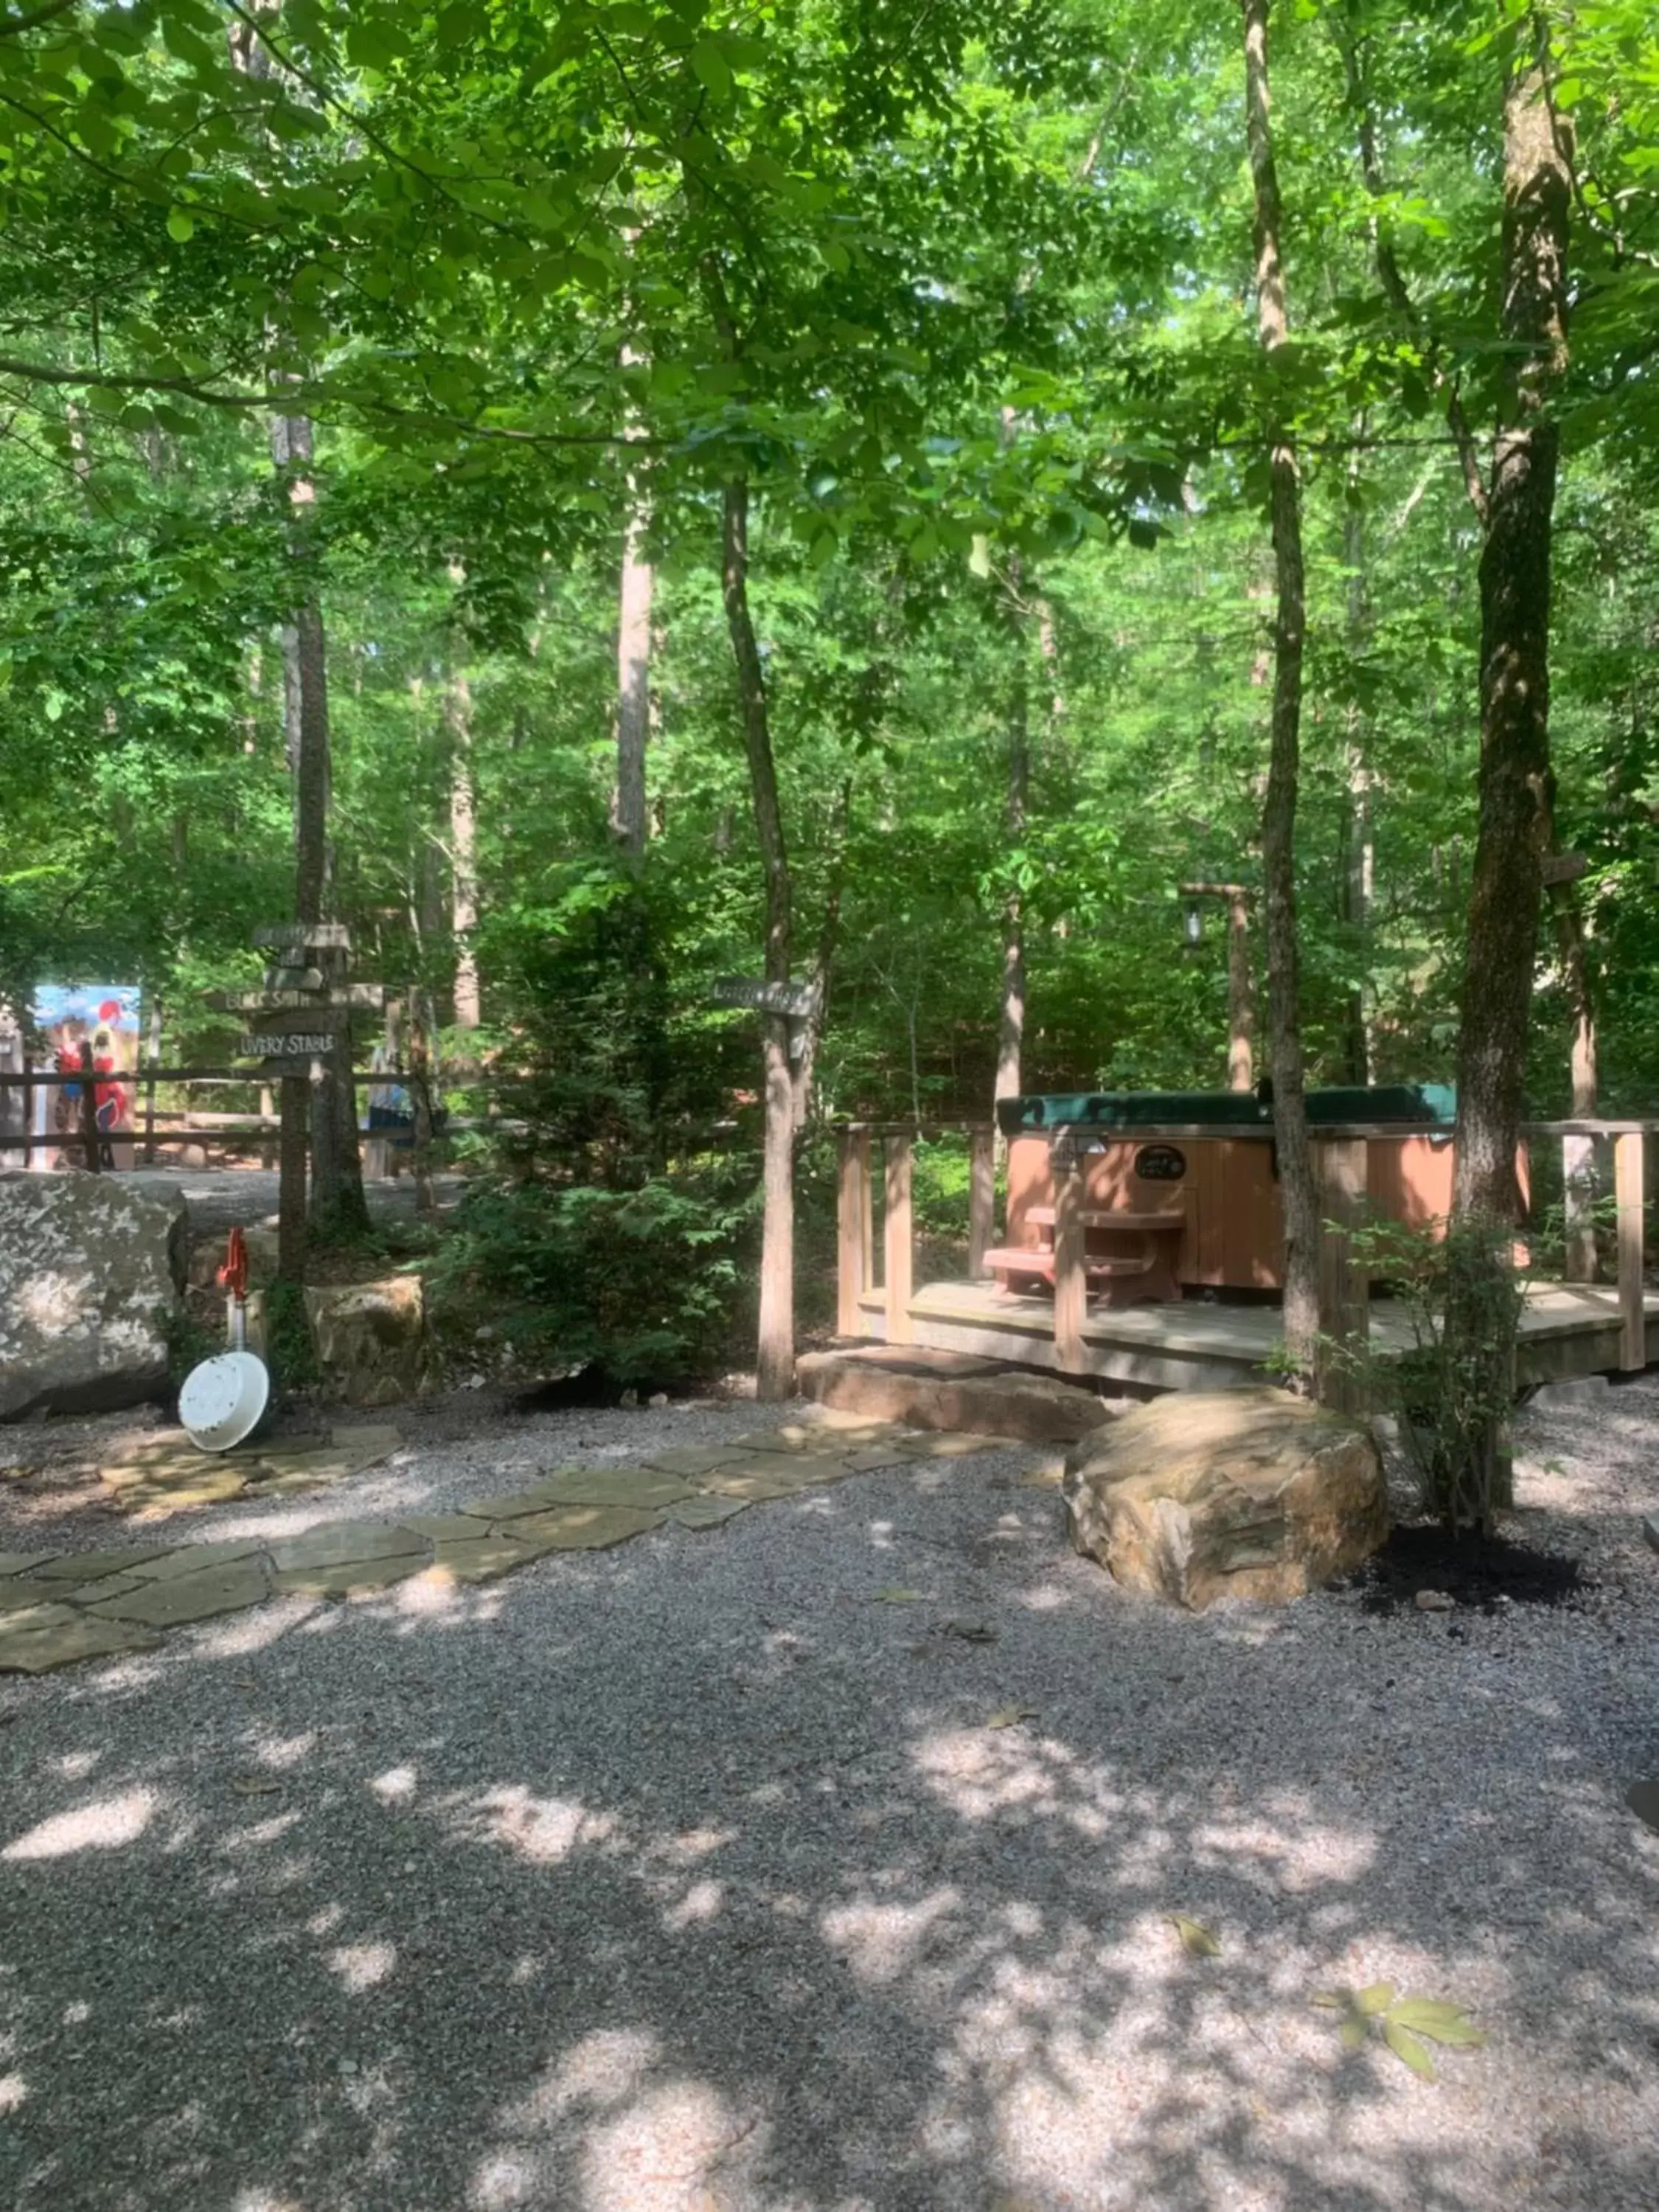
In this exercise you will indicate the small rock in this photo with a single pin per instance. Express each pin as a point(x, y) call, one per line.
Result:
point(629, 1399)
point(1651, 1529)
point(1576, 1390)
point(658, 1398)
point(473, 1382)
point(1434, 1601)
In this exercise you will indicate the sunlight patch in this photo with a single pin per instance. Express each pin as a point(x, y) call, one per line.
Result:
point(363, 1966)
point(103, 1825)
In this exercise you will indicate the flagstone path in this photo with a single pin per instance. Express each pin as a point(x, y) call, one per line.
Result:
point(168, 1475)
point(58, 1606)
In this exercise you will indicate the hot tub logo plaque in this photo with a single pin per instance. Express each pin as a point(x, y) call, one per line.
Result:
point(1160, 1164)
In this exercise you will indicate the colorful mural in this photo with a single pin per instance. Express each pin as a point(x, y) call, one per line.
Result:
point(104, 1018)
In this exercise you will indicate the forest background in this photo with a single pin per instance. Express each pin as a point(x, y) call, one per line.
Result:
point(694, 490)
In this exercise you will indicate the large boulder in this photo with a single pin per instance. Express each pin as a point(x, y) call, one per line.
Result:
point(927, 1389)
point(90, 1271)
point(371, 1339)
point(1227, 1493)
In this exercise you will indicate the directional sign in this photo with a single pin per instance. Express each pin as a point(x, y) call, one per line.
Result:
point(798, 1001)
point(340, 996)
point(302, 1045)
point(322, 936)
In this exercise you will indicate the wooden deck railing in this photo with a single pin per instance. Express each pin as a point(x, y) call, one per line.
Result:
point(1341, 1164)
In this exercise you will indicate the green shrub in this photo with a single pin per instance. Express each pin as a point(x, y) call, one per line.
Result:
point(1452, 1388)
point(644, 1285)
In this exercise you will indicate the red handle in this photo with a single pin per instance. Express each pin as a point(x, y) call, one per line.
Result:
point(232, 1275)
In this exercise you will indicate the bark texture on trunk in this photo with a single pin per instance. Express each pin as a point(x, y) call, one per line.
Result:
point(1241, 1013)
point(628, 805)
point(337, 1199)
point(1011, 1005)
point(464, 850)
point(776, 1362)
point(1297, 1186)
point(1515, 615)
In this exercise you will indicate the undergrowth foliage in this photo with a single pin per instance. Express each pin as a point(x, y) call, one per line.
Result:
point(643, 1285)
point(1452, 1388)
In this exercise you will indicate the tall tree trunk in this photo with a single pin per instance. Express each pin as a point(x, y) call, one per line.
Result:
point(337, 1182)
point(1296, 1191)
point(1506, 884)
point(1514, 613)
point(628, 806)
point(462, 849)
point(1011, 1006)
point(775, 1365)
point(1357, 845)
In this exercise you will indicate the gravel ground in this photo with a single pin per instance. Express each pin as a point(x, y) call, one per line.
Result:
point(690, 1878)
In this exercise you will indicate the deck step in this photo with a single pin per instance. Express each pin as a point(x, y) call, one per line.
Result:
point(1022, 1259)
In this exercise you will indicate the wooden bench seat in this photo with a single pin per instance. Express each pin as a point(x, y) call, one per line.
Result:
point(1043, 1216)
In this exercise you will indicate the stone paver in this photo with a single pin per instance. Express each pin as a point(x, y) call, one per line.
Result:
point(769, 1479)
point(705, 1512)
point(50, 1636)
point(349, 1578)
point(87, 1566)
point(18, 1562)
point(694, 1459)
point(640, 1486)
point(174, 1603)
point(587, 1528)
point(58, 1607)
point(478, 1558)
point(342, 1543)
point(18, 1593)
point(193, 1559)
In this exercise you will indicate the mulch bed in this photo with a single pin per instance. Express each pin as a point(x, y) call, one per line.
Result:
point(1486, 1576)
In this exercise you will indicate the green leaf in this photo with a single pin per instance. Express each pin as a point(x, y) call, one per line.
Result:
point(53, 705)
point(1441, 2022)
point(709, 66)
point(1353, 2033)
point(893, 1595)
point(979, 555)
point(1195, 1937)
point(181, 227)
point(1007, 1716)
point(1407, 2047)
point(1375, 1999)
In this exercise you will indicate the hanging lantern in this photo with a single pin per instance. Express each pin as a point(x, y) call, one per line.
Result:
point(1194, 922)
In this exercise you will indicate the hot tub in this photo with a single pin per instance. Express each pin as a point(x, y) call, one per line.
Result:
point(1192, 1175)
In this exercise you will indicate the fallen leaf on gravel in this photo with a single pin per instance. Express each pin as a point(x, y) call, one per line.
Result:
point(1194, 1935)
point(971, 1631)
point(254, 1785)
point(893, 1595)
point(1405, 2045)
point(1010, 1715)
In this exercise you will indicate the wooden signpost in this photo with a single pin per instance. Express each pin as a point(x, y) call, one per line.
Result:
point(299, 1015)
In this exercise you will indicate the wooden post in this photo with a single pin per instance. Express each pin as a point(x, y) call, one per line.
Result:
point(154, 1057)
point(291, 1188)
point(1579, 1208)
point(1628, 1180)
point(981, 1198)
point(89, 1141)
point(1071, 1282)
point(1340, 1168)
point(896, 1233)
point(867, 1185)
point(267, 1109)
point(853, 1172)
point(1241, 1072)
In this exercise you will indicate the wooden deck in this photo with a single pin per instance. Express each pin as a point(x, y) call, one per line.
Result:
point(1568, 1328)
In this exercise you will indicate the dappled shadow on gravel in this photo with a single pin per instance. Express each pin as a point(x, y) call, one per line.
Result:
point(692, 1879)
